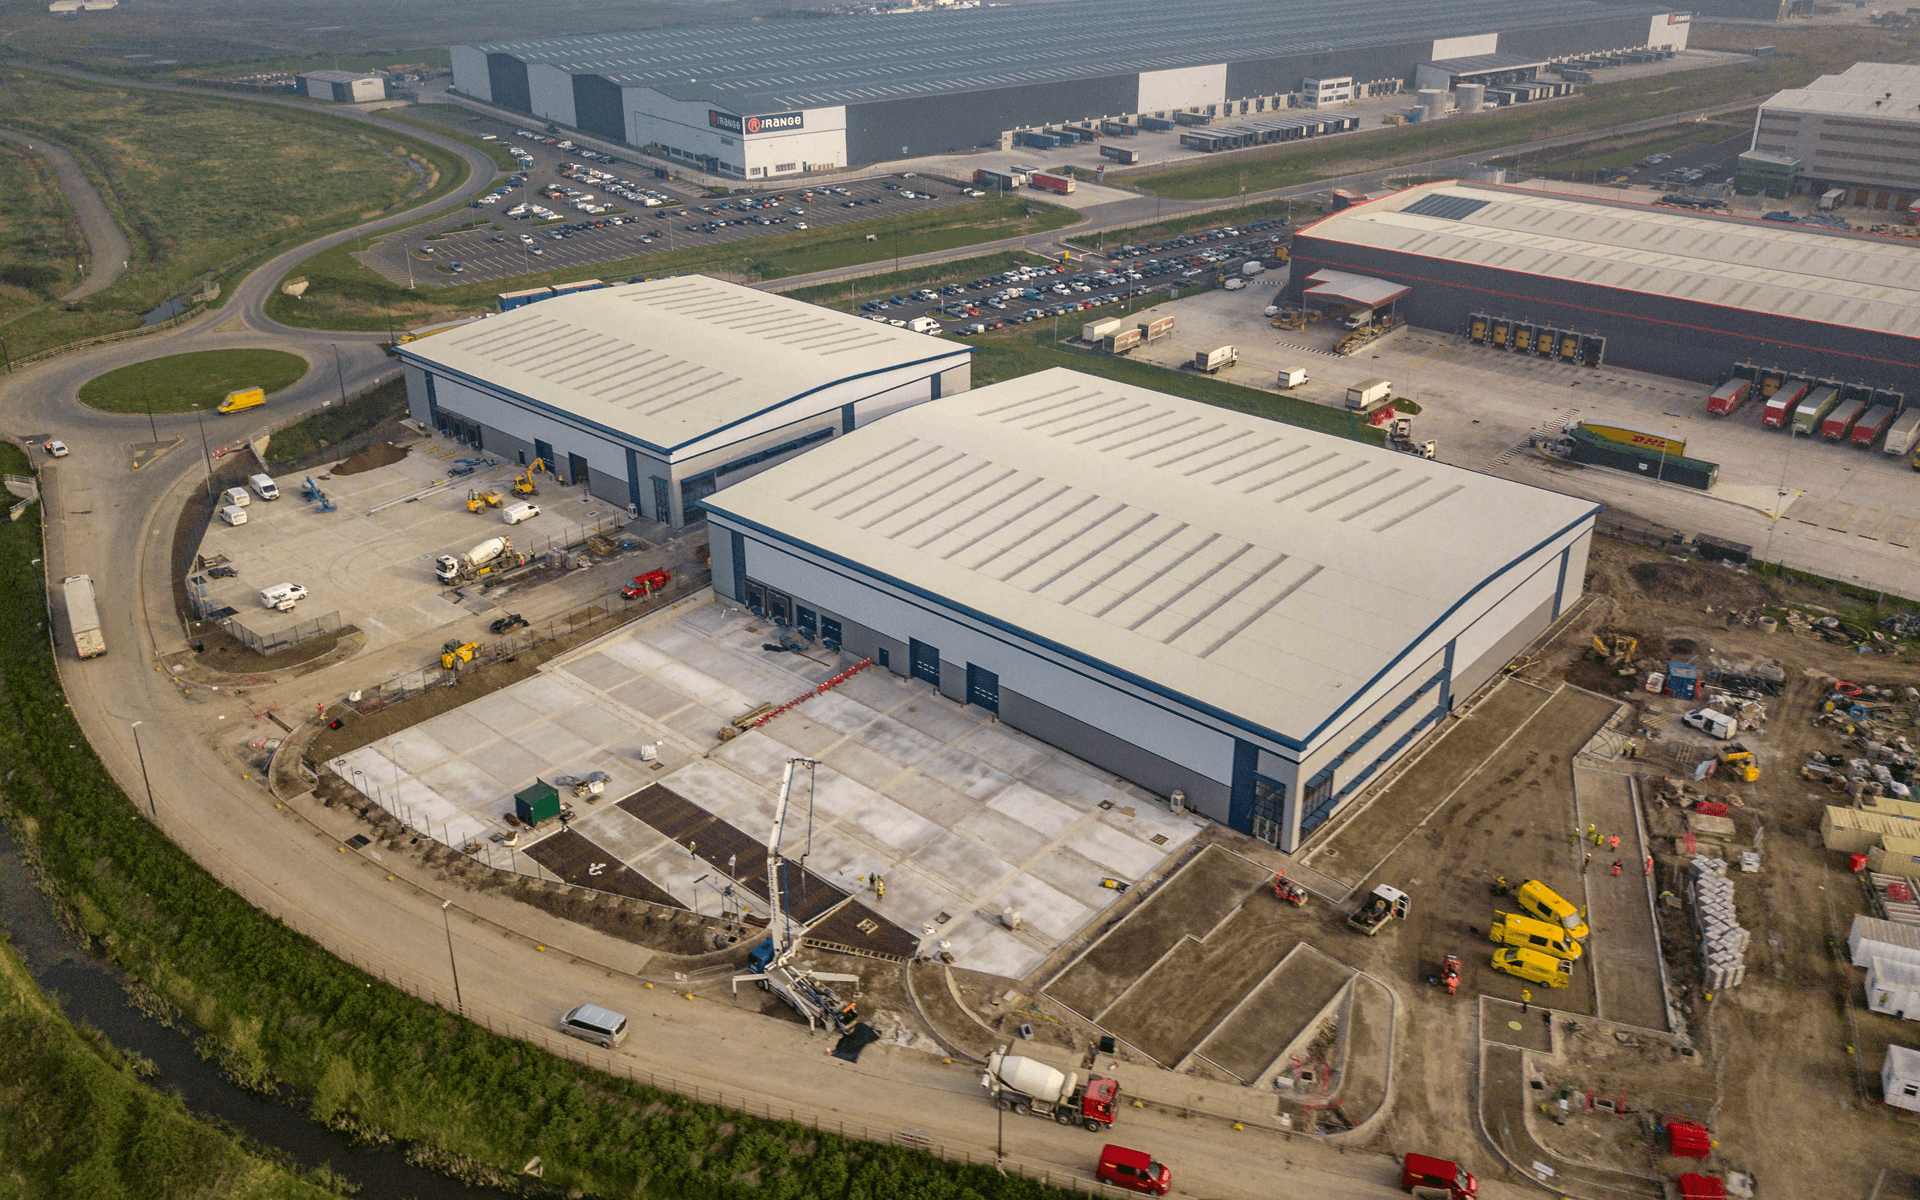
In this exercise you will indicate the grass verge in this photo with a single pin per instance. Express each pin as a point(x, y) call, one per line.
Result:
point(435, 118)
point(41, 245)
point(847, 296)
point(1012, 353)
point(205, 186)
point(185, 382)
point(342, 293)
point(1167, 227)
point(1606, 153)
point(339, 423)
point(277, 1011)
point(1801, 56)
point(80, 1121)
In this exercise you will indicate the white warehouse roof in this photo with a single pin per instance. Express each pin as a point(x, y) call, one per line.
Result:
point(669, 361)
point(1761, 266)
point(1890, 91)
point(1261, 568)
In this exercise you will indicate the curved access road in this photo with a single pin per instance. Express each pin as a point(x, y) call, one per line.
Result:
point(106, 246)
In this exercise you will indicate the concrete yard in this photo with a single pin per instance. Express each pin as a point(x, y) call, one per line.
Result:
point(371, 559)
point(961, 816)
point(1833, 508)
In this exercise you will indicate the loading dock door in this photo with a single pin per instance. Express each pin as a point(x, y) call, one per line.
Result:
point(924, 662)
point(577, 469)
point(544, 452)
point(983, 688)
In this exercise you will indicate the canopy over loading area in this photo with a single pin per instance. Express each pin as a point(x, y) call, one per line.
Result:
point(1338, 289)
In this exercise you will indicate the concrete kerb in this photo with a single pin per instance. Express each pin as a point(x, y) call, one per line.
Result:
point(913, 998)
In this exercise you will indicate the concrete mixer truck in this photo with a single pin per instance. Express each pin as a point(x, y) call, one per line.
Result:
point(1028, 1086)
point(491, 555)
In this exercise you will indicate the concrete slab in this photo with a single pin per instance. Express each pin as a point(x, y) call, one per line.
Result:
point(1124, 856)
point(459, 731)
point(1035, 810)
point(899, 742)
point(1046, 908)
point(801, 736)
point(1074, 874)
point(999, 954)
point(692, 684)
point(415, 749)
point(757, 755)
point(1069, 781)
point(550, 743)
point(1007, 751)
point(649, 698)
point(943, 722)
point(965, 773)
point(931, 799)
point(502, 712)
point(514, 766)
point(637, 654)
point(837, 795)
point(1003, 835)
point(840, 712)
point(860, 762)
point(601, 672)
point(887, 824)
point(964, 863)
point(593, 725)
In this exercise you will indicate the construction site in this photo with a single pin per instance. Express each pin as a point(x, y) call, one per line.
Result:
point(945, 885)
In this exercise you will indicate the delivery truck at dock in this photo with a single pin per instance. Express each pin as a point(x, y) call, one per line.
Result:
point(1032, 1088)
point(1867, 430)
point(1729, 396)
point(1904, 432)
point(1048, 182)
point(1837, 424)
point(1810, 412)
point(1780, 405)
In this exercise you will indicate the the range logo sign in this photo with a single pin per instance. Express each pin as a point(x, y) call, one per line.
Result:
point(774, 123)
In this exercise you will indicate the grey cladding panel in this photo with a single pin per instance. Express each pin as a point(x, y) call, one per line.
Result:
point(507, 76)
point(947, 124)
point(597, 108)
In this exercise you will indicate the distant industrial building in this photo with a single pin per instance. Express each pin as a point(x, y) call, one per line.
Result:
point(1858, 130)
point(783, 96)
point(652, 395)
point(1254, 617)
point(343, 87)
point(1679, 293)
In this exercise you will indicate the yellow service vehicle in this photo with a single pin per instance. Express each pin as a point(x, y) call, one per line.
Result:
point(1533, 966)
point(456, 652)
point(1540, 901)
point(1512, 929)
point(245, 398)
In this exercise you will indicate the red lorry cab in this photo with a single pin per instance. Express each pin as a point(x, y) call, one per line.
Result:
point(1097, 1103)
point(1439, 1175)
point(1133, 1169)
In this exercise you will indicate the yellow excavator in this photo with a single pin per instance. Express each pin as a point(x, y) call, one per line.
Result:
point(1615, 649)
point(1737, 761)
point(523, 483)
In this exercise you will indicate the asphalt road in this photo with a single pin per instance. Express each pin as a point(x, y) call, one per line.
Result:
point(106, 245)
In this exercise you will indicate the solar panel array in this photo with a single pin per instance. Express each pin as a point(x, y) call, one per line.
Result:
point(828, 61)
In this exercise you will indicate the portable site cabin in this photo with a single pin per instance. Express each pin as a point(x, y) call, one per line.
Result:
point(536, 803)
point(1873, 938)
point(1900, 1078)
point(1893, 987)
point(1896, 855)
point(1858, 830)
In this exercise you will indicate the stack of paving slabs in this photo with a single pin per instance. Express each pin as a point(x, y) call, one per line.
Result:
point(1723, 943)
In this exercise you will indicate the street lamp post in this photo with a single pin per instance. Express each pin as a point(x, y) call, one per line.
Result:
point(459, 1005)
point(142, 756)
point(151, 427)
point(205, 453)
point(339, 373)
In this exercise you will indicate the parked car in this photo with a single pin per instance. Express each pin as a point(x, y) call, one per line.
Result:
point(57, 448)
point(1134, 1170)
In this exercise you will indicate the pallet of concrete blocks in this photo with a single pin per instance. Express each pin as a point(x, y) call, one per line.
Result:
point(1723, 943)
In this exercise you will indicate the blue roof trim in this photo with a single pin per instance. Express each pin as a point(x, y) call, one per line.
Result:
point(635, 439)
point(1140, 681)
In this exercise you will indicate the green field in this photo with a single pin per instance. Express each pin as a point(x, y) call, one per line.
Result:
point(77, 1120)
point(343, 294)
point(1011, 353)
point(1802, 55)
point(1171, 226)
point(205, 186)
point(1606, 154)
point(847, 296)
point(186, 382)
point(41, 246)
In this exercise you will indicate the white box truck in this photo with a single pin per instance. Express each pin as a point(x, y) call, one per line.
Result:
point(1904, 432)
point(1212, 360)
point(83, 616)
point(1292, 377)
point(1368, 394)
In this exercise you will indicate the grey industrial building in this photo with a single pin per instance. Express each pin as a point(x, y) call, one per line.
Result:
point(652, 395)
point(343, 87)
point(1674, 292)
point(1858, 130)
point(1255, 616)
point(778, 97)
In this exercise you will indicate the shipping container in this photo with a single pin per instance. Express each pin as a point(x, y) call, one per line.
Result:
point(1780, 404)
point(1715, 549)
point(1659, 443)
point(1060, 184)
point(1590, 448)
point(1120, 341)
point(1119, 129)
point(1544, 341)
point(1683, 680)
point(1156, 124)
point(1569, 346)
point(584, 285)
point(1729, 396)
point(1005, 181)
point(1858, 830)
point(512, 300)
point(1904, 432)
point(1093, 331)
point(1867, 430)
point(1808, 414)
point(1152, 331)
point(1120, 154)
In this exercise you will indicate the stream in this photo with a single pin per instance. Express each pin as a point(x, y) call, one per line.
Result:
point(88, 990)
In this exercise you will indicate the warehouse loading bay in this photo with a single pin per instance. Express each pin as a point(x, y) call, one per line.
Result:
point(1830, 507)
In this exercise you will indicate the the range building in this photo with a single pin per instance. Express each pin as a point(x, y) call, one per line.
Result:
point(1254, 615)
point(1858, 130)
point(778, 97)
point(652, 395)
point(1687, 294)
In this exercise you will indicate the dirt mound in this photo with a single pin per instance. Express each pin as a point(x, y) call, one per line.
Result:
point(1686, 584)
point(380, 454)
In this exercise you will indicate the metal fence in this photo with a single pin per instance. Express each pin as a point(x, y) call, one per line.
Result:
point(280, 639)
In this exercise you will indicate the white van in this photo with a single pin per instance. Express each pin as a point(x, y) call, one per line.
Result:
point(513, 514)
point(282, 596)
point(591, 1023)
point(263, 486)
point(924, 325)
point(1712, 722)
point(239, 496)
point(233, 514)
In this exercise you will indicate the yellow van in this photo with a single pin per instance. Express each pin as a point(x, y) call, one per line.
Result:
point(1512, 929)
point(1533, 966)
point(243, 399)
point(1540, 901)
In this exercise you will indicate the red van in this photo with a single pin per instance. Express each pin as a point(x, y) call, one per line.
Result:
point(1133, 1169)
point(1425, 1176)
